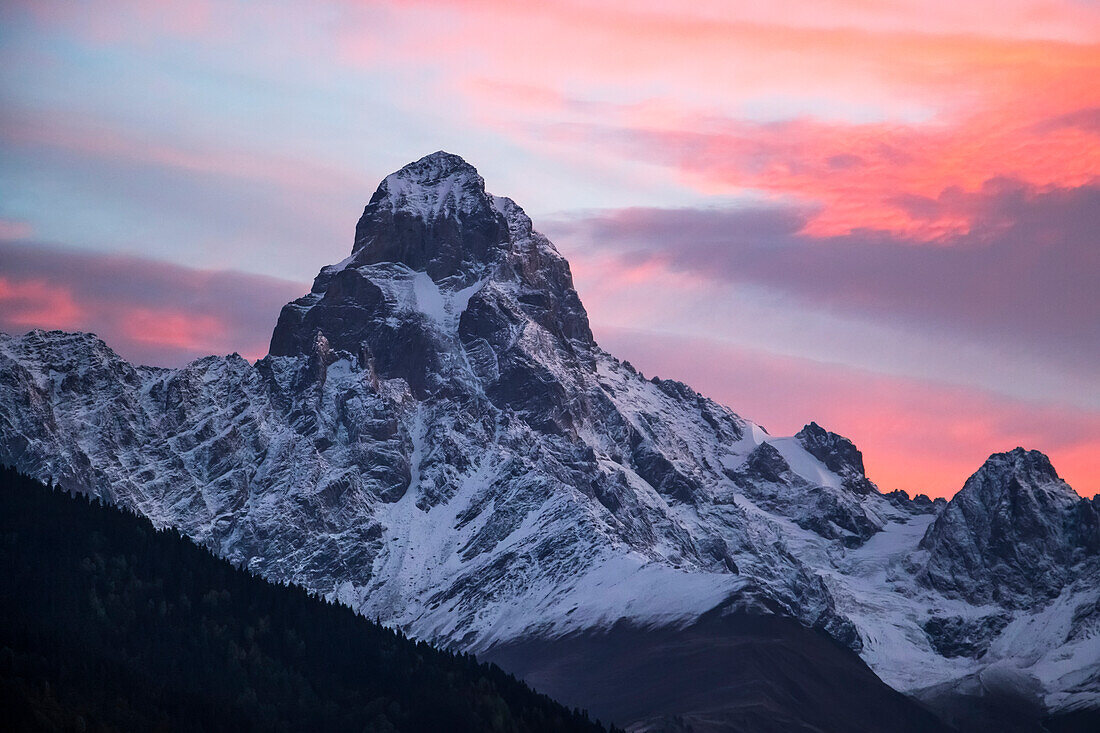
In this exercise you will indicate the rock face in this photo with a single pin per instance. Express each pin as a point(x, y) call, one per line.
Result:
point(839, 455)
point(436, 440)
point(818, 499)
point(433, 242)
point(1014, 535)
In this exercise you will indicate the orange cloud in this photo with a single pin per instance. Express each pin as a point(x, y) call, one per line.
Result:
point(862, 175)
point(852, 105)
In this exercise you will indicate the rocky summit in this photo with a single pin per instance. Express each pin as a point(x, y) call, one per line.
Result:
point(1013, 535)
point(436, 440)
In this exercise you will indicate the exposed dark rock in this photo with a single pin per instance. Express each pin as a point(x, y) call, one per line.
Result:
point(1085, 622)
point(919, 504)
point(959, 636)
point(838, 454)
point(819, 509)
point(766, 464)
point(1012, 535)
point(434, 216)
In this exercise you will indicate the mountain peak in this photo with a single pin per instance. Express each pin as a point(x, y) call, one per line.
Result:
point(439, 185)
point(434, 216)
point(435, 254)
point(1009, 535)
point(1033, 464)
point(839, 455)
point(1020, 478)
point(435, 167)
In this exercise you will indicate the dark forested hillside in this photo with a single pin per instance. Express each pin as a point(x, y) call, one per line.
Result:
point(109, 624)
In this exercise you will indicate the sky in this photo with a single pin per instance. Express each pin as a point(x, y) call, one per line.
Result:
point(884, 217)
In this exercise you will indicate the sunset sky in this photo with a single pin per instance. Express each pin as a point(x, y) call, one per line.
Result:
point(884, 217)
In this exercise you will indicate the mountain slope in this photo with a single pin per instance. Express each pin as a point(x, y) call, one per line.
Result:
point(436, 440)
point(109, 625)
point(721, 673)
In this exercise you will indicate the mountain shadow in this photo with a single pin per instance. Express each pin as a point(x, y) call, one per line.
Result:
point(760, 673)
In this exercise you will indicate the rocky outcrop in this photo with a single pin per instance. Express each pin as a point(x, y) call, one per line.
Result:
point(769, 479)
point(1015, 534)
point(961, 636)
point(839, 455)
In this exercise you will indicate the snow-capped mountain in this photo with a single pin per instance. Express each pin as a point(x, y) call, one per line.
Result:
point(1012, 536)
point(436, 439)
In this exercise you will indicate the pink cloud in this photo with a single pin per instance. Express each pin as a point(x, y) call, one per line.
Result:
point(37, 304)
point(150, 312)
point(10, 229)
point(174, 329)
